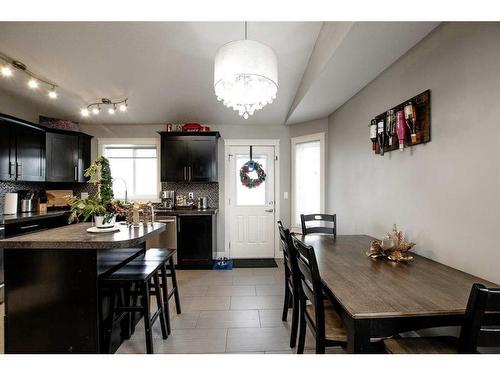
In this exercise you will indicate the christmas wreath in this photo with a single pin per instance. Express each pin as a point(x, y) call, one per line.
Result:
point(249, 167)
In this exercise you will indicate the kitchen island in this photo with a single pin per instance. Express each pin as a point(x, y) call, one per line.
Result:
point(51, 285)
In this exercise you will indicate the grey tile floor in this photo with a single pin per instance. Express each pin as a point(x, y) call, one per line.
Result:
point(237, 311)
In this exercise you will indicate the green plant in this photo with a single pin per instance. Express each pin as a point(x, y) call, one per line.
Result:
point(103, 204)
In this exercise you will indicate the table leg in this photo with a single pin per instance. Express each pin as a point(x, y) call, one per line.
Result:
point(358, 335)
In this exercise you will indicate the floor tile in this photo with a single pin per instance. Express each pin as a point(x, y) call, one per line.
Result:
point(272, 318)
point(228, 319)
point(192, 290)
point(271, 289)
point(206, 303)
point(257, 339)
point(256, 302)
point(253, 280)
point(182, 341)
point(231, 290)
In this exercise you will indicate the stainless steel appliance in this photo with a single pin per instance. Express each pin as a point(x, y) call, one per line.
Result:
point(27, 205)
point(167, 199)
point(168, 238)
point(2, 286)
point(202, 203)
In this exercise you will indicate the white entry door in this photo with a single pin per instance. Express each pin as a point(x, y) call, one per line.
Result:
point(252, 214)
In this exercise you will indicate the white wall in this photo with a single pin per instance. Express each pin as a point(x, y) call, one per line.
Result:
point(445, 194)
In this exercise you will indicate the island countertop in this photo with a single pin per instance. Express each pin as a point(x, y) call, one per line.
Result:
point(75, 236)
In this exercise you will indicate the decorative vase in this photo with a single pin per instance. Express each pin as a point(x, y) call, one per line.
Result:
point(102, 222)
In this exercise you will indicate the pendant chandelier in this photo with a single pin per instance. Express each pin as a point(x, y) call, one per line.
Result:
point(246, 75)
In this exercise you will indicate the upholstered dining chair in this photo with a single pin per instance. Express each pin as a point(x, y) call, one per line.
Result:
point(320, 315)
point(322, 223)
point(480, 328)
point(291, 282)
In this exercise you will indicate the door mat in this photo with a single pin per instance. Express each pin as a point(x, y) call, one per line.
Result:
point(254, 263)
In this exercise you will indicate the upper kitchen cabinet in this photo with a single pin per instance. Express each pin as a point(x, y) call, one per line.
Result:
point(189, 157)
point(68, 155)
point(22, 150)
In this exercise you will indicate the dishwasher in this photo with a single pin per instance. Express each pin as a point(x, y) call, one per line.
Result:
point(168, 238)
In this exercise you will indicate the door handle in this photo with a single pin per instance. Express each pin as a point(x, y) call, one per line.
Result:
point(76, 173)
point(190, 173)
point(11, 164)
point(185, 173)
point(269, 210)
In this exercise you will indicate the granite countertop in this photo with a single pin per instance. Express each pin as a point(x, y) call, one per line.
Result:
point(75, 236)
point(28, 216)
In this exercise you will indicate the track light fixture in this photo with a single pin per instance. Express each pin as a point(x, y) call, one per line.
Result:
point(9, 66)
point(111, 105)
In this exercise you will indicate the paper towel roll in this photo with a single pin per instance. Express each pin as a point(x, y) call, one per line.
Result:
point(10, 204)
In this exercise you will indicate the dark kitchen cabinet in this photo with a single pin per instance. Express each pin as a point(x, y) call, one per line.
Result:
point(22, 150)
point(189, 157)
point(84, 155)
point(196, 241)
point(62, 157)
point(68, 156)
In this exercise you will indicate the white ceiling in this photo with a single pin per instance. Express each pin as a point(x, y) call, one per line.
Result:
point(366, 50)
point(166, 68)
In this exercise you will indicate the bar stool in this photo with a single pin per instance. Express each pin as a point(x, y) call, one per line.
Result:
point(140, 280)
point(167, 270)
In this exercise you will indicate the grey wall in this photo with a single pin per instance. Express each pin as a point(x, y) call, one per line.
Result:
point(444, 194)
point(15, 106)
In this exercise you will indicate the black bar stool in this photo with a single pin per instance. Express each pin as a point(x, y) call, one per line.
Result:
point(167, 270)
point(130, 288)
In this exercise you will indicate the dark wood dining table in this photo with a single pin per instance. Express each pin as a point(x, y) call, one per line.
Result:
point(379, 298)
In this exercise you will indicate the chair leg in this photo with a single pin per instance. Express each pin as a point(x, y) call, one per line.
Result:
point(160, 305)
point(125, 323)
point(174, 285)
point(302, 330)
point(109, 330)
point(134, 297)
point(295, 321)
point(286, 303)
point(147, 317)
point(320, 346)
point(164, 290)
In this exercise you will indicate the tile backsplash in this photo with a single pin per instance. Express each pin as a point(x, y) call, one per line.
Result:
point(209, 190)
point(13, 186)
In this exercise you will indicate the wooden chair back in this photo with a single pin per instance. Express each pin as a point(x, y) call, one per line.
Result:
point(327, 225)
point(290, 259)
point(481, 326)
point(311, 287)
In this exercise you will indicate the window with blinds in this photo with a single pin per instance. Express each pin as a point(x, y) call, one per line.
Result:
point(134, 168)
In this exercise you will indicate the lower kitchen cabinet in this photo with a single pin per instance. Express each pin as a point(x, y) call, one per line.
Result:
point(196, 241)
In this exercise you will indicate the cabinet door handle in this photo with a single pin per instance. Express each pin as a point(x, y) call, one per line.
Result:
point(270, 210)
point(185, 178)
point(178, 224)
point(11, 164)
point(29, 226)
point(76, 173)
point(19, 170)
point(190, 173)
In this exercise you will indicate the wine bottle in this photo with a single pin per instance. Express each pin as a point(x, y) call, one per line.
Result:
point(390, 126)
point(401, 129)
point(381, 136)
point(373, 134)
point(411, 120)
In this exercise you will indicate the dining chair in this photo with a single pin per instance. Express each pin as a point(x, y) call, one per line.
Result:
point(318, 313)
point(331, 220)
point(480, 328)
point(291, 282)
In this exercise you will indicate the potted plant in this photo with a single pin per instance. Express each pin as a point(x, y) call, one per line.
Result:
point(103, 208)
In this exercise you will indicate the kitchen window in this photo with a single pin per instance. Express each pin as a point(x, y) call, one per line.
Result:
point(308, 176)
point(134, 167)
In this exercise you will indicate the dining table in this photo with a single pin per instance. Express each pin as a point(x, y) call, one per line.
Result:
point(379, 298)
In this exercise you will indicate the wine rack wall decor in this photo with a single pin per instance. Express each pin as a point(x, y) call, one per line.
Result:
point(405, 125)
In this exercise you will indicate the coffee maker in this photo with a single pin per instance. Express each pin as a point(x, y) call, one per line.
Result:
point(167, 199)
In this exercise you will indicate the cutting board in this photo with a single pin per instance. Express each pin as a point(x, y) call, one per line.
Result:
point(55, 198)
